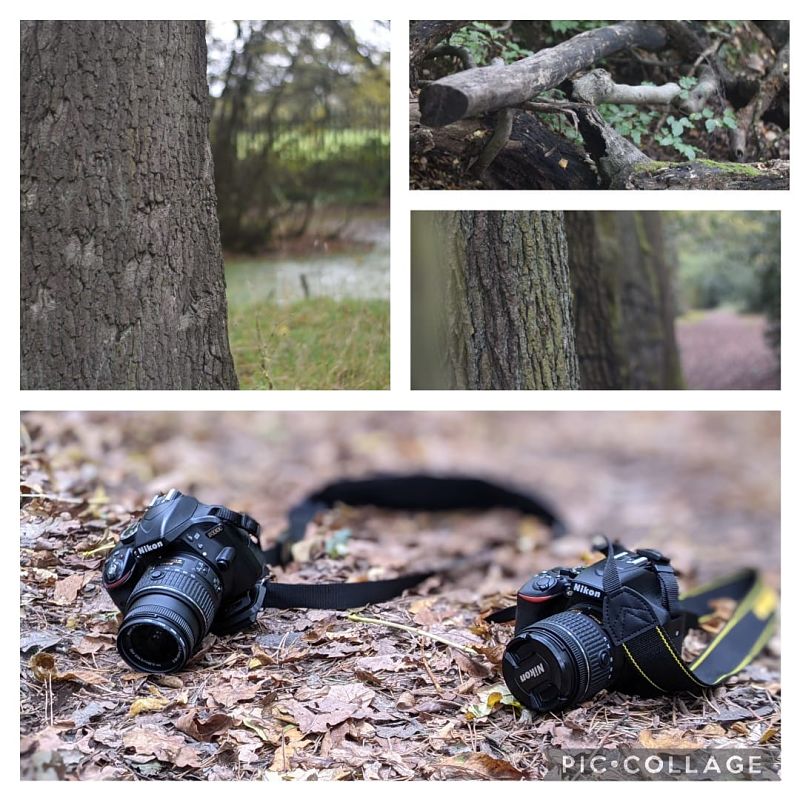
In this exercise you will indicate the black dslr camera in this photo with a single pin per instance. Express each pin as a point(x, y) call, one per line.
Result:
point(569, 641)
point(180, 571)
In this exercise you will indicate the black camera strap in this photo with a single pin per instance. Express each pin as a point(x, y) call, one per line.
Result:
point(631, 623)
point(393, 492)
point(660, 663)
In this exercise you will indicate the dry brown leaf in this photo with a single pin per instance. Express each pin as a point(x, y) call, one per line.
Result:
point(203, 730)
point(44, 668)
point(93, 643)
point(66, 590)
point(150, 740)
point(228, 694)
point(485, 766)
point(667, 739)
point(291, 743)
point(344, 701)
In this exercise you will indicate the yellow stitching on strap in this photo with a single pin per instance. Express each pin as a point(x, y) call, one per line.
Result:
point(677, 660)
point(640, 670)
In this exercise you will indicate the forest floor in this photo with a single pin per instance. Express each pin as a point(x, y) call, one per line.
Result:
point(318, 695)
point(721, 349)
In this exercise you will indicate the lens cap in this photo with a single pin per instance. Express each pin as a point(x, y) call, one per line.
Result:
point(558, 661)
point(538, 671)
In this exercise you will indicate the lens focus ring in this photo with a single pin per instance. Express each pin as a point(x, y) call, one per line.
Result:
point(186, 585)
point(589, 646)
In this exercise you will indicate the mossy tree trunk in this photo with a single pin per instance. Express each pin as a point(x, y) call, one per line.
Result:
point(122, 283)
point(505, 306)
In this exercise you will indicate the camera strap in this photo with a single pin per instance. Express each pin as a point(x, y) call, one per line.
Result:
point(659, 662)
point(631, 623)
point(397, 493)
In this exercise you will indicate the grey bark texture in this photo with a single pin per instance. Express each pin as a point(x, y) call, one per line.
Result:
point(122, 283)
point(478, 91)
point(506, 310)
point(631, 254)
point(595, 294)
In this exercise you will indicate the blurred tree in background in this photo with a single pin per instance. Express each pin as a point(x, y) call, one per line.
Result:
point(300, 113)
point(730, 258)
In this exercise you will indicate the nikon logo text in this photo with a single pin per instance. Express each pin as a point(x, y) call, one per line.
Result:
point(580, 589)
point(534, 672)
point(147, 548)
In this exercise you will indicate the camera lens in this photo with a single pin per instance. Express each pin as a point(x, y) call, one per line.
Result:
point(558, 661)
point(169, 613)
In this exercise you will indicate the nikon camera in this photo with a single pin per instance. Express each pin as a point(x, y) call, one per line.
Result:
point(182, 570)
point(561, 653)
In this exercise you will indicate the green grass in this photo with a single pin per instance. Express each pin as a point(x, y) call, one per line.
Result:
point(312, 344)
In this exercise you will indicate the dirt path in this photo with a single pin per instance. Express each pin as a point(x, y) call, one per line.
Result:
point(725, 350)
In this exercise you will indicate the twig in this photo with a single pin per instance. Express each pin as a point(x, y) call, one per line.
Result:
point(415, 631)
point(53, 497)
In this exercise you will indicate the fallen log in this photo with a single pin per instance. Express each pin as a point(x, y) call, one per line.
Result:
point(478, 91)
point(534, 158)
point(702, 174)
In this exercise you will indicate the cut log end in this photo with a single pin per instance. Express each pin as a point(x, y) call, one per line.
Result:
point(440, 104)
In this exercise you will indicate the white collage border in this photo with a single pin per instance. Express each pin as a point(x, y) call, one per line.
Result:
point(400, 397)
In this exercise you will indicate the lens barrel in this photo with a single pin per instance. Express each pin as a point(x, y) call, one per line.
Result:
point(169, 612)
point(558, 661)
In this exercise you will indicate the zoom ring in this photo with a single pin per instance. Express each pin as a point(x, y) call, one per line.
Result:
point(587, 642)
point(184, 585)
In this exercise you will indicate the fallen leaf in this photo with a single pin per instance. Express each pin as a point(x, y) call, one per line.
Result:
point(150, 740)
point(66, 590)
point(44, 668)
point(563, 163)
point(768, 735)
point(93, 643)
point(343, 701)
point(292, 742)
point(203, 730)
point(667, 739)
point(489, 699)
point(146, 705)
point(228, 694)
point(38, 640)
point(485, 766)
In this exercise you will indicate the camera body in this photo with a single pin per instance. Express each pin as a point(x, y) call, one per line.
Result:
point(562, 652)
point(183, 569)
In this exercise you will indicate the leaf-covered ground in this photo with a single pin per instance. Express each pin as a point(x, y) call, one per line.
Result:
point(326, 695)
point(721, 349)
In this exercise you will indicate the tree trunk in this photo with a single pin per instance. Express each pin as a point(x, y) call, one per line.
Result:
point(631, 251)
point(505, 318)
point(595, 305)
point(122, 283)
point(477, 91)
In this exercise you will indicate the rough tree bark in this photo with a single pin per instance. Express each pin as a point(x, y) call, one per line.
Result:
point(631, 252)
point(122, 283)
point(506, 310)
point(595, 298)
point(484, 89)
